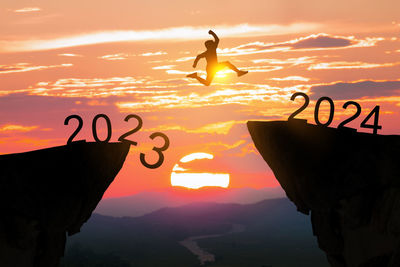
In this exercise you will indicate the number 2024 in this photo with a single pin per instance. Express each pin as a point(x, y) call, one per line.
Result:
point(122, 138)
point(364, 124)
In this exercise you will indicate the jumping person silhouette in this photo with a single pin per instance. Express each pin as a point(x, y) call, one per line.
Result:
point(213, 66)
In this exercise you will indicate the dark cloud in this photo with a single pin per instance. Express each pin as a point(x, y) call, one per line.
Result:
point(357, 89)
point(4, 69)
point(311, 42)
point(322, 41)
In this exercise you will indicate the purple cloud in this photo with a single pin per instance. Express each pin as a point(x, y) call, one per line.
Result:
point(323, 41)
point(357, 90)
point(311, 42)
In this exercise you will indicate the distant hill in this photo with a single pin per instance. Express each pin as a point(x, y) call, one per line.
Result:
point(275, 235)
point(146, 202)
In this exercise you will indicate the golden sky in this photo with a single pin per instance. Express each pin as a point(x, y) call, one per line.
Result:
point(130, 57)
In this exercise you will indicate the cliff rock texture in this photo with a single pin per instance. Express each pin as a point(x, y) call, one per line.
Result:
point(348, 181)
point(47, 193)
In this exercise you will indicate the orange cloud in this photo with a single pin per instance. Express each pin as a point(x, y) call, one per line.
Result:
point(97, 103)
point(222, 128)
point(179, 72)
point(24, 67)
point(17, 128)
point(245, 94)
point(291, 78)
point(119, 56)
point(167, 34)
point(293, 61)
point(249, 148)
point(69, 55)
point(182, 59)
point(99, 87)
point(27, 9)
point(263, 68)
point(149, 54)
point(165, 67)
point(350, 65)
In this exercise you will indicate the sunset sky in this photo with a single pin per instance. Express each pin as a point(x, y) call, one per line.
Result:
point(59, 58)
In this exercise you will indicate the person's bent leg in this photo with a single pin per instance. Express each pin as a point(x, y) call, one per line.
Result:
point(232, 67)
point(206, 82)
point(195, 76)
point(192, 75)
point(209, 78)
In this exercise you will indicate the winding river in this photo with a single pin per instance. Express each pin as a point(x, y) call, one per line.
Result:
point(205, 256)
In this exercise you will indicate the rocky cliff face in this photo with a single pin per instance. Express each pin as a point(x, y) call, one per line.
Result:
point(348, 181)
point(48, 193)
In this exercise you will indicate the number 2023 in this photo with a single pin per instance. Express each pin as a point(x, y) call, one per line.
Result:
point(122, 138)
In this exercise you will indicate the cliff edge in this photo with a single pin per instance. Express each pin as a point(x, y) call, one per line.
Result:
point(348, 181)
point(47, 193)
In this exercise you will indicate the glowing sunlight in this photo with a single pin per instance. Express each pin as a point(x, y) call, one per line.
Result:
point(195, 179)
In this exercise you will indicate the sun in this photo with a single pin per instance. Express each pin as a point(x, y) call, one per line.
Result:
point(190, 177)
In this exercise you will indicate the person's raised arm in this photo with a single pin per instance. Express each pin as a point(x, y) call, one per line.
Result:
point(215, 36)
point(197, 59)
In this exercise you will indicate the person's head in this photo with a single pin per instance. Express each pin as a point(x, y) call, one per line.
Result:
point(209, 44)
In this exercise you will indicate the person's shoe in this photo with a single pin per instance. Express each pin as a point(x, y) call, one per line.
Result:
point(242, 72)
point(192, 75)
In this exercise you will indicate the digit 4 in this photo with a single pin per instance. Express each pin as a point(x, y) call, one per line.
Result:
point(375, 126)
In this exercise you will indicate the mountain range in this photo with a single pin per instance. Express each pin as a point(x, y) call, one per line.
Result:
point(146, 202)
point(274, 234)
